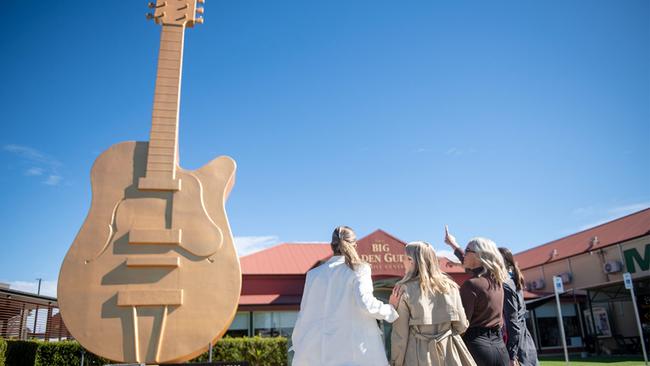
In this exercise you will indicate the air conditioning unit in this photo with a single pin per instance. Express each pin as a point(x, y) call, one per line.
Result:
point(538, 284)
point(613, 267)
point(567, 277)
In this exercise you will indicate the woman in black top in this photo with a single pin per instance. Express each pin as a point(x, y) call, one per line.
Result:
point(482, 297)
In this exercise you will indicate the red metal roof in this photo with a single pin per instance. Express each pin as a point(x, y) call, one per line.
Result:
point(449, 266)
point(298, 258)
point(285, 259)
point(613, 232)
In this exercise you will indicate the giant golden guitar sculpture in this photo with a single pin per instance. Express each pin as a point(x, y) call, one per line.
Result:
point(153, 275)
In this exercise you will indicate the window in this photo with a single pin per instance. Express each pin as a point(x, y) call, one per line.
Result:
point(274, 323)
point(547, 320)
point(240, 325)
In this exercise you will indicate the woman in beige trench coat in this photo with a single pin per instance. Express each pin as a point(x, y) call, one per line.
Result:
point(431, 315)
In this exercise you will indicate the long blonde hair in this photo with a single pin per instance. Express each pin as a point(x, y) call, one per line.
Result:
point(426, 269)
point(344, 242)
point(490, 258)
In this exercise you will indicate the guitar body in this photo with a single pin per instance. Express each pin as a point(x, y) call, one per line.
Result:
point(152, 276)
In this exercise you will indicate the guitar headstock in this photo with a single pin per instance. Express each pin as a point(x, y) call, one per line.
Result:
point(176, 12)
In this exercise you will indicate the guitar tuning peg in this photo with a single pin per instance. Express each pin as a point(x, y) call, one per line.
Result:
point(149, 16)
point(201, 1)
point(200, 10)
point(151, 5)
point(199, 20)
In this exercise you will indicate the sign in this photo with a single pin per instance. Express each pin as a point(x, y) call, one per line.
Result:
point(634, 258)
point(627, 279)
point(383, 252)
point(559, 286)
point(601, 321)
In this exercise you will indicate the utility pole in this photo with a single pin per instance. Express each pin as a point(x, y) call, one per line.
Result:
point(38, 292)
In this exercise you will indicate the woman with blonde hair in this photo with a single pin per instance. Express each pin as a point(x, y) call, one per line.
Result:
point(337, 323)
point(482, 297)
point(431, 315)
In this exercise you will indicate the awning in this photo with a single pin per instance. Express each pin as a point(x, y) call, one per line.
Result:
point(270, 299)
point(532, 304)
point(546, 297)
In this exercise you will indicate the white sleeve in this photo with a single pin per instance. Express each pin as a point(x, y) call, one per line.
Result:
point(367, 301)
point(298, 330)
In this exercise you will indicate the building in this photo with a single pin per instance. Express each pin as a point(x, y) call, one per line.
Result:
point(25, 316)
point(598, 313)
point(591, 264)
point(273, 280)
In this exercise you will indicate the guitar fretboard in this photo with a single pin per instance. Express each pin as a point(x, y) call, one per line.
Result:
point(163, 140)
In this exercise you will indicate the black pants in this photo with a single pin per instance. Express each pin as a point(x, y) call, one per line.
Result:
point(486, 346)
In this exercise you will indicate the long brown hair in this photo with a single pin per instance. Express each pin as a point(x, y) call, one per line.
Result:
point(344, 242)
point(511, 265)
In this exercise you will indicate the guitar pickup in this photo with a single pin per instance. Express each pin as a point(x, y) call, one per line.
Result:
point(149, 297)
point(154, 236)
point(152, 261)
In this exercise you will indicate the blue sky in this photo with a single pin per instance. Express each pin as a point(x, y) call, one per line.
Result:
point(522, 121)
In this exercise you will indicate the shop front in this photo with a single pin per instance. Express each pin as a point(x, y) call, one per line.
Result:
point(598, 313)
point(273, 281)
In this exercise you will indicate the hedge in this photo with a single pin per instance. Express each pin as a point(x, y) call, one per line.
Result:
point(3, 348)
point(65, 353)
point(257, 351)
point(21, 353)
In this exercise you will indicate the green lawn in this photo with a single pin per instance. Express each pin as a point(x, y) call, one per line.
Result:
point(593, 361)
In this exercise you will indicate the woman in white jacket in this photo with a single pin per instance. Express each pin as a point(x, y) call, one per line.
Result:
point(337, 323)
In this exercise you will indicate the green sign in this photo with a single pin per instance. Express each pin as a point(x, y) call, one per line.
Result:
point(633, 258)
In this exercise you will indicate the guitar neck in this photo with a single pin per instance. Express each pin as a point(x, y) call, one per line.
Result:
point(162, 155)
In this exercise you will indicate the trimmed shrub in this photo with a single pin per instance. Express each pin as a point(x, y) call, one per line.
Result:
point(257, 351)
point(65, 353)
point(3, 349)
point(21, 353)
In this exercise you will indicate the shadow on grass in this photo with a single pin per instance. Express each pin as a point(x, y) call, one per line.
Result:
point(596, 360)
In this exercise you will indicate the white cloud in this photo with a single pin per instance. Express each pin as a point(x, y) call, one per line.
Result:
point(608, 214)
point(48, 288)
point(251, 244)
point(584, 211)
point(53, 180)
point(455, 151)
point(40, 163)
point(447, 254)
point(34, 171)
point(628, 209)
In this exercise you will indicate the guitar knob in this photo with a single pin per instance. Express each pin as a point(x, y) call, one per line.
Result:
point(201, 1)
point(200, 10)
point(199, 20)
